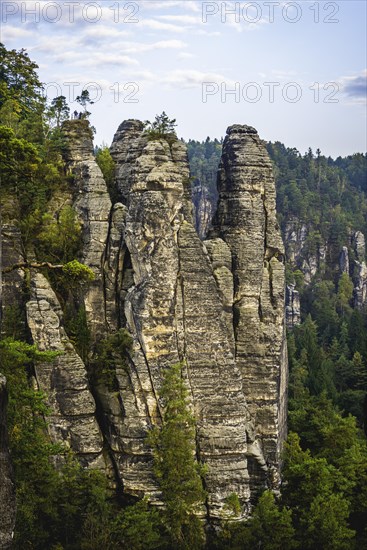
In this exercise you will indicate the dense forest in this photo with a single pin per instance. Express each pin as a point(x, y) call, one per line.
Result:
point(323, 499)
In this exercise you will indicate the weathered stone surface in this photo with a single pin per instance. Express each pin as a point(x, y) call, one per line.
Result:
point(7, 488)
point(216, 306)
point(344, 261)
point(295, 240)
point(293, 307)
point(246, 221)
point(359, 245)
point(64, 380)
point(221, 260)
point(116, 271)
point(93, 204)
point(204, 207)
point(359, 270)
point(178, 306)
point(360, 284)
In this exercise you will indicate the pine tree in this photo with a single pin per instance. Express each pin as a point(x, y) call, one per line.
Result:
point(175, 466)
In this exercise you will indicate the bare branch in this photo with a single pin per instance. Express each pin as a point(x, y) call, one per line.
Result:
point(31, 265)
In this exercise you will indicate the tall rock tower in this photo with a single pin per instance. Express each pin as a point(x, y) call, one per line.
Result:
point(215, 306)
point(246, 222)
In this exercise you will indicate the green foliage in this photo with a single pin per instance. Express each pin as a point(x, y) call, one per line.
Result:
point(110, 353)
point(19, 166)
point(59, 239)
point(19, 80)
point(76, 326)
point(78, 273)
point(177, 471)
point(108, 168)
point(269, 528)
point(233, 505)
point(54, 507)
point(204, 160)
point(58, 111)
point(161, 128)
point(84, 100)
point(139, 527)
point(330, 355)
point(13, 322)
point(344, 295)
point(315, 490)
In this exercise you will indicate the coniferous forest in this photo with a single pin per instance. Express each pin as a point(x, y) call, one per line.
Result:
point(321, 206)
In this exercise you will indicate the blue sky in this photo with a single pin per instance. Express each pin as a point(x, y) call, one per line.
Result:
point(294, 70)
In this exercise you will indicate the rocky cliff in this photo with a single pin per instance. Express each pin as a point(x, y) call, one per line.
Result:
point(246, 222)
point(215, 306)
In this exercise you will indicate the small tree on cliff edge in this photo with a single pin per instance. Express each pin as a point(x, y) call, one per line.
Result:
point(178, 473)
point(84, 99)
point(162, 128)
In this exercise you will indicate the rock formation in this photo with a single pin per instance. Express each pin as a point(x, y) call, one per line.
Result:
point(215, 306)
point(7, 489)
point(344, 261)
point(64, 380)
point(359, 268)
point(246, 222)
point(297, 253)
point(293, 307)
point(92, 202)
point(204, 207)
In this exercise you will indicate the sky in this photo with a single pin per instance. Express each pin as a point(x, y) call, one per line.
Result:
point(296, 71)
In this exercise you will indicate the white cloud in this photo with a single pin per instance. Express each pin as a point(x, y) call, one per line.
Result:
point(193, 78)
point(155, 25)
point(140, 47)
point(98, 59)
point(185, 19)
point(186, 55)
point(13, 33)
point(190, 5)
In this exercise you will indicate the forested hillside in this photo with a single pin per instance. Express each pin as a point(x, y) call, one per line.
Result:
point(322, 204)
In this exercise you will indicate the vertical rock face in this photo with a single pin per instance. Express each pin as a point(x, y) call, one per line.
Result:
point(7, 489)
point(359, 269)
point(295, 239)
point(203, 209)
point(64, 380)
point(293, 307)
point(246, 221)
point(344, 261)
point(183, 300)
point(93, 205)
point(215, 306)
point(175, 313)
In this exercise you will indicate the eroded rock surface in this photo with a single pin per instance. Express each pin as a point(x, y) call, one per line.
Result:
point(246, 221)
point(177, 302)
point(204, 207)
point(215, 306)
point(92, 203)
point(359, 269)
point(64, 380)
point(293, 307)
